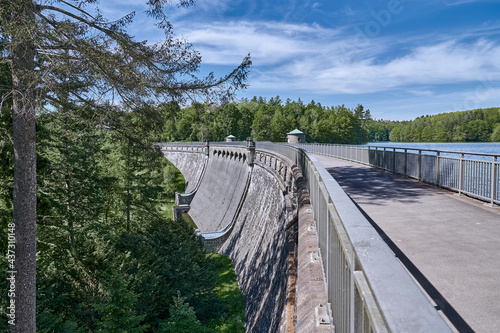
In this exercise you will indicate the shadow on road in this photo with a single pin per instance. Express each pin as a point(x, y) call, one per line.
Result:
point(376, 186)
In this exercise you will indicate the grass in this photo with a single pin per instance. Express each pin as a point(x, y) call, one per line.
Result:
point(186, 218)
point(227, 289)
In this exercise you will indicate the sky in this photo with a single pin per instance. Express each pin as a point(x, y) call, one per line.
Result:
point(399, 58)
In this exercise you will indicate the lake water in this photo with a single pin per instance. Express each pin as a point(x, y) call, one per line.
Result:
point(466, 147)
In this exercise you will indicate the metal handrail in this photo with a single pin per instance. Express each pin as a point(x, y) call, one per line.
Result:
point(479, 178)
point(401, 148)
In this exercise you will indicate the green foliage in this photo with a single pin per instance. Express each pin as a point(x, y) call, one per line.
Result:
point(118, 310)
point(379, 130)
point(478, 125)
point(265, 121)
point(166, 258)
point(97, 270)
point(6, 172)
point(182, 319)
point(233, 321)
point(6, 152)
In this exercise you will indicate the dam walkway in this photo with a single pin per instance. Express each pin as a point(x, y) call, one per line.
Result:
point(450, 244)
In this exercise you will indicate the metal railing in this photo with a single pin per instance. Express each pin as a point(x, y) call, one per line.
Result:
point(368, 288)
point(473, 174)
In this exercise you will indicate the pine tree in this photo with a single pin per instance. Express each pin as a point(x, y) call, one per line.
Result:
point(58, 48)
point(182, 319)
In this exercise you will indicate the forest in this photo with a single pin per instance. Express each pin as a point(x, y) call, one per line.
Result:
point(109, 256)
point(265, 120)
point(270, 120)
point(479, 125)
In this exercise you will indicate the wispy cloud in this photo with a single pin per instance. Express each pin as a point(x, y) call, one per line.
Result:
point(458, 2)
point(327, 60)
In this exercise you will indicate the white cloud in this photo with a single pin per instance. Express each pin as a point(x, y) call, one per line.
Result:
point(458, 2)
point(309, 57)
point(268, 42)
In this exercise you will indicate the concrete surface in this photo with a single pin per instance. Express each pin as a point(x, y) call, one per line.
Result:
point(221, 189)
point(258, 248)
point(310, 284)
point(449, 244)
point(258, 243)
point(190, 165)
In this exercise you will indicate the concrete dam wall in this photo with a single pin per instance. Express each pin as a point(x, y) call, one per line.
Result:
point(244, 200)
point(306, 258)
point(191, 162)
point(223, 185)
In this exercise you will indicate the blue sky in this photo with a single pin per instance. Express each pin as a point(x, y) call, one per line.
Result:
point(400, 59)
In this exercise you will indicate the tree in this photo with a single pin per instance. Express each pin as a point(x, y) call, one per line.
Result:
point(260, 125)
point(60, 53)
point(279, 126)
point(182, 319)
point(118, 310)
point(176, 262)
point(227, 119)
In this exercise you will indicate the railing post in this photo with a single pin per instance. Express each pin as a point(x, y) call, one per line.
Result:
point(384, 160)
point(393, 160)
point(494, 181)
point(406, 163)
point(438, 168)
point(461, 174)
point(419, 165)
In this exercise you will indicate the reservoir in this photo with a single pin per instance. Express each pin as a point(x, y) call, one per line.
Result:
point(466, 147)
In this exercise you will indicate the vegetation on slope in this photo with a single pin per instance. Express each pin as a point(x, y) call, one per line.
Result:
point(108, 258)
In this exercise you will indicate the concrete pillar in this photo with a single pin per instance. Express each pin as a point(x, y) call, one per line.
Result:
point(250, 151)
point(206, 147)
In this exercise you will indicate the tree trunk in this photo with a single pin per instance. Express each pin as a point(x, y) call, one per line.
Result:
point(24, 199)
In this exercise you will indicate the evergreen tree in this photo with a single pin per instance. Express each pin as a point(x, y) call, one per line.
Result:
point(57, 48)
point(279, 126)
point(164, 259)
point(182, 319)
point(118, 310)
point(260, 125)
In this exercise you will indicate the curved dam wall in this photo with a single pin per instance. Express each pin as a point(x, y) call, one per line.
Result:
point(190, 160)
point(248, 196)
point(258, 248)
point(223, 185)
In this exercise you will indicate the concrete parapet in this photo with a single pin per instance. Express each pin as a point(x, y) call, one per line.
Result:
point(184, 198)
point(250, 151)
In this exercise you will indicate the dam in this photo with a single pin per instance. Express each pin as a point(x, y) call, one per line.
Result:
point(306, 258)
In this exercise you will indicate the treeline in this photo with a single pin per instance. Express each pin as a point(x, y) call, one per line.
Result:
point(108, 257)
point(265, 120)
point(479, 125)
